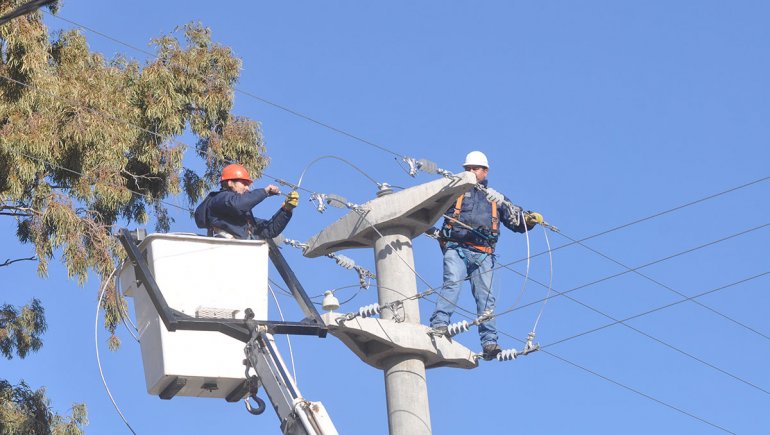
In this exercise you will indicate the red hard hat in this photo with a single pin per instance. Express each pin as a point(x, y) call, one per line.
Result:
point(235, 172)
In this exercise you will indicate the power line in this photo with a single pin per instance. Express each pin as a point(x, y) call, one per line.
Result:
point(249, 94)
point(635, 391)
point(655, 215)
point(636, 316)
point(658, 340)
point(668, 287)
point(629, 270)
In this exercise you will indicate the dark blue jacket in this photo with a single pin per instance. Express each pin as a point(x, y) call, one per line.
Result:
point(231, 212)
point(476, 211)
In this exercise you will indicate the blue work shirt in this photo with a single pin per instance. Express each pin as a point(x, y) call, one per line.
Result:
point(476, 212)
point(231, 212)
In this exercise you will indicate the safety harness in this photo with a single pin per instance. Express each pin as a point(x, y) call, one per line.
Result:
point(492, 237)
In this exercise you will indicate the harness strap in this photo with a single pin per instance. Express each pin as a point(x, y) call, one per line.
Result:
point(495, 225)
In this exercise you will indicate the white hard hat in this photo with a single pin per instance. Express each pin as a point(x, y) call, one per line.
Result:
point(476, 158)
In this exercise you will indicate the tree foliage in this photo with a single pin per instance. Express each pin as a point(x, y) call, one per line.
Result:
point(20, 330)
point(24, 411)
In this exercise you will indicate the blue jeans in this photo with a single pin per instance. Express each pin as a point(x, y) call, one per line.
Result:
point(478, 266)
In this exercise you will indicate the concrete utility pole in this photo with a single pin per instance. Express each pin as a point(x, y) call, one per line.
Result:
point(397, 342)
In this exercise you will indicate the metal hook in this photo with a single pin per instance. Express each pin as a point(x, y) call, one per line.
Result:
point(260, 405)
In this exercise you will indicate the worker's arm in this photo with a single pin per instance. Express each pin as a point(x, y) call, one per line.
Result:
point(512, 217)
point(232, 204)
point(267, 229)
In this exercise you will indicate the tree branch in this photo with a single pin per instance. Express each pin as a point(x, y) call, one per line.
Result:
point(8, 262)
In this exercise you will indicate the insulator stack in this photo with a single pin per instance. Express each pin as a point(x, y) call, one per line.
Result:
point(369, 310)
point(457, 328)
point(343, 261)
point(507, 355)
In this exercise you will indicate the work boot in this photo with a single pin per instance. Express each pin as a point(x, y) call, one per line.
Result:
point(491, 350)
point(440, 330)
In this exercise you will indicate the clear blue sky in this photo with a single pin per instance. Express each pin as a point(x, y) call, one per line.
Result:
point(595, 113)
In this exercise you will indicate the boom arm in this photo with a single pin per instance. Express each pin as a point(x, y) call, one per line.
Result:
point(297, 415)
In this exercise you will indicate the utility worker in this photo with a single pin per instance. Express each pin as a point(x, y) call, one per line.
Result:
point(227, 213)
point(468, 237)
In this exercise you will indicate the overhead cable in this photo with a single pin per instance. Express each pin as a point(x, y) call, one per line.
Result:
point(96, 347)
point(660, 284)
point(662, 307)
point(248, 94)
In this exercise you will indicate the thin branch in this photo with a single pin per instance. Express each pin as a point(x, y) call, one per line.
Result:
point(8, 262)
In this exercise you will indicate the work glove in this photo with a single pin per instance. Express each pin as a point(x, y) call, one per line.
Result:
point(292, 200)
point(532, 218)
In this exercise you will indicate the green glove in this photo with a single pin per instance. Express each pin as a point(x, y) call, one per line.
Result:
point(292, 200)
point(531, 218)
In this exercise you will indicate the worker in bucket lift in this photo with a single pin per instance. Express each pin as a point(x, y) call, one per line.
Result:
point(468, 237)
point(227, 213)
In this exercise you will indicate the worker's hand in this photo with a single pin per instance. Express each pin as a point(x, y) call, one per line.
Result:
point(272, 190)
point(532, 218)
point(292, 200)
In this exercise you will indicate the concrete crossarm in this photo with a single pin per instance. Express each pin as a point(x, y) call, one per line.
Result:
point(412, 211)
point(376, 340)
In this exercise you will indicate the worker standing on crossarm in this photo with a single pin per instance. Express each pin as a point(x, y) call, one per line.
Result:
point(468, 237)
point(227, 213)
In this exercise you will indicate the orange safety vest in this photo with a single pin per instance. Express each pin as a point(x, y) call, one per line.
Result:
point(495, 225)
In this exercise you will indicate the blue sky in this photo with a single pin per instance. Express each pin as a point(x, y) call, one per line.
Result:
point(594, 113)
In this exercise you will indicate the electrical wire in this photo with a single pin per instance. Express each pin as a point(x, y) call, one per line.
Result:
point(299, 183)
point(619, 384)
point(249, 94)
point(636, 391)
point(96, 346)
point(124, 313)
point(550, 281)
point(654, 310)
point(660, 284)
point(616, 321)
point(288, 339)
point(660, 260)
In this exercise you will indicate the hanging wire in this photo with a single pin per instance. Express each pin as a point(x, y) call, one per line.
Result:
point(288, 339)
point(299, 183)
point(124, 313)
point(550, 281)
point(96, 347)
